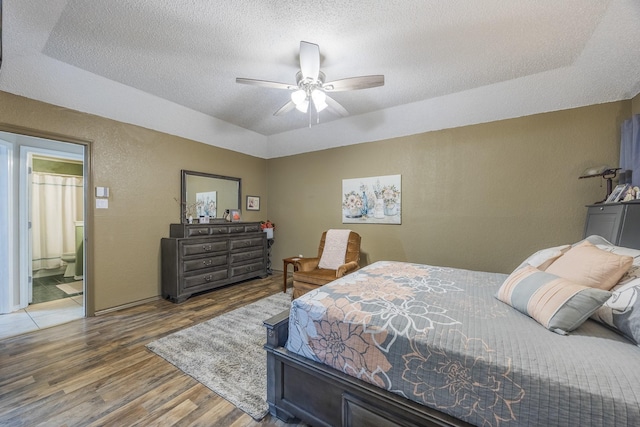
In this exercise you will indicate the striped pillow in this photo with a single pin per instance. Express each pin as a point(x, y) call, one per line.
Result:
point(558, 304)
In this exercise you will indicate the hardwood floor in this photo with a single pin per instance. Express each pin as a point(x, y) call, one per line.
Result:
point(97, 371)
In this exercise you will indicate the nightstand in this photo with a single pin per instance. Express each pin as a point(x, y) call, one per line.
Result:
point(287, 261)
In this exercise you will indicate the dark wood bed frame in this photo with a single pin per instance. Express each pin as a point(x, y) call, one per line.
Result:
point(299, 388)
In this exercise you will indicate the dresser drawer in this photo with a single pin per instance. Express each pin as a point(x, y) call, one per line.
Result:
point(246, 269)
point(252, 228)
point(202, 247)
point(218, 229)
point(205, 278)
point(246, 256)
point(236, 229)
point(206, 230)
point(198, 230)
point(604, 221)
point(200, 263)
point(246, 243)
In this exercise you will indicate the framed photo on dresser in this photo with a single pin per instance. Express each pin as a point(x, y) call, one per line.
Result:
point(235, 215)
point(617, 194)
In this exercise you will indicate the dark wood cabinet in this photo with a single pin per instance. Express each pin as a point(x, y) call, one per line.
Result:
point(202, 257)
point(619, 223)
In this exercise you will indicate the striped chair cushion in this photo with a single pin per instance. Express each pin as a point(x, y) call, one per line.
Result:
point(558, 304)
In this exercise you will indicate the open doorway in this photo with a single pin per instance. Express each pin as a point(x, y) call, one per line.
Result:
point(44, 195)
point(57, 227)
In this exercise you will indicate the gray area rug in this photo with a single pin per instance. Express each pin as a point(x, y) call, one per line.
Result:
point(226, 354)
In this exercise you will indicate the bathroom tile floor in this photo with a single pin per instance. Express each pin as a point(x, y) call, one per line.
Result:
point(40, 316)
point(46, 289)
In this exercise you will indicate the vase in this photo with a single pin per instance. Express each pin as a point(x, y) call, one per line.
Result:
point(365, 206)
point(269, 232)
point(390, 209)
point(353, 212)
point(378, 210)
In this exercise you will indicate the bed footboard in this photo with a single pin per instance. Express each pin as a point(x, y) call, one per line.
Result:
point(298, 388)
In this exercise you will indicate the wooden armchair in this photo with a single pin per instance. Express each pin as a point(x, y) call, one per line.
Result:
point(309, 276)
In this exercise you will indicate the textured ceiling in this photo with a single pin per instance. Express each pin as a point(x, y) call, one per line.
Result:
point(171, 64)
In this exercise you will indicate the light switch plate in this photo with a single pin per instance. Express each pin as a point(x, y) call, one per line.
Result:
point(102, 203)
point(102, 191)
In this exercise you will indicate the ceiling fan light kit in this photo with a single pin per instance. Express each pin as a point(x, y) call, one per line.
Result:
point(310, 85)
point(319, 99)
point(298, 96)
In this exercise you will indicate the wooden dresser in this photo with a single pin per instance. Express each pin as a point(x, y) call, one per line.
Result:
point(201, 257)
point(619, 223)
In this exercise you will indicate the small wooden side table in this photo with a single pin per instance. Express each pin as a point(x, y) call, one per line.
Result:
point(287, 261)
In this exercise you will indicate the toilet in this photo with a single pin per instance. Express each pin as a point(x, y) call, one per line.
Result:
point(70, 259)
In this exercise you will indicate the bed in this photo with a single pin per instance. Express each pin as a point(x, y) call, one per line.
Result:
point(409, 344)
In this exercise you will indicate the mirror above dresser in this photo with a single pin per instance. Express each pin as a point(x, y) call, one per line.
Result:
point(208, 195)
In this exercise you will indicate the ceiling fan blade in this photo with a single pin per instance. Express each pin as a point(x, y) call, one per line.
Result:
point(285, 108)
point(334, 106)
point(309, 60)
point(265, 83)
point(354, 83)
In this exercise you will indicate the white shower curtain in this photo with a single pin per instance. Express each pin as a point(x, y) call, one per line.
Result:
point(56, 205)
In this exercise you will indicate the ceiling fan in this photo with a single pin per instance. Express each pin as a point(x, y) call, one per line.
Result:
point(311, 88)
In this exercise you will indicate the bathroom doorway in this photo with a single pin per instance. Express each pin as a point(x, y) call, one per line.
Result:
point(57, 227)
point(22, 155)
point(45, 244)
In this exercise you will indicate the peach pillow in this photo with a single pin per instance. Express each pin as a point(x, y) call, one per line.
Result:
point(587, 265)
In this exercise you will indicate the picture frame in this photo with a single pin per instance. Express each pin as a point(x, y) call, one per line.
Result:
point(617, 193)
point(372, 200)
point(253, 203)
point(235, 215)
point(206, 204)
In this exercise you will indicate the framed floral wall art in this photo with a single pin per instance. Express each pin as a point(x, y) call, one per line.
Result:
point(207, 204)
point(374, 200)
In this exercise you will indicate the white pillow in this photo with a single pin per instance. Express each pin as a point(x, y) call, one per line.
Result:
point(622, 310)
point(544, 257)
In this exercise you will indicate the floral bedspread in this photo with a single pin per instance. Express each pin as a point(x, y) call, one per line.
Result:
point(438, 336)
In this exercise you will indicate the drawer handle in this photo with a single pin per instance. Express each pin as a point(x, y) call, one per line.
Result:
point(220, 230)
point(202, 231)
point(249, 268)
point(208, 278)
point(207, 262)
point(206, 248)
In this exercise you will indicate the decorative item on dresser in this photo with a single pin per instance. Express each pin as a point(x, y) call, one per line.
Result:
point(202, 257)
point(607, 173)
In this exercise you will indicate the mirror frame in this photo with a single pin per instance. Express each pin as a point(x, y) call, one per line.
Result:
point(183, 195)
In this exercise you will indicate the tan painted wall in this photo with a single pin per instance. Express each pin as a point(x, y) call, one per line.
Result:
point(142, 169)
point(479, 197)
